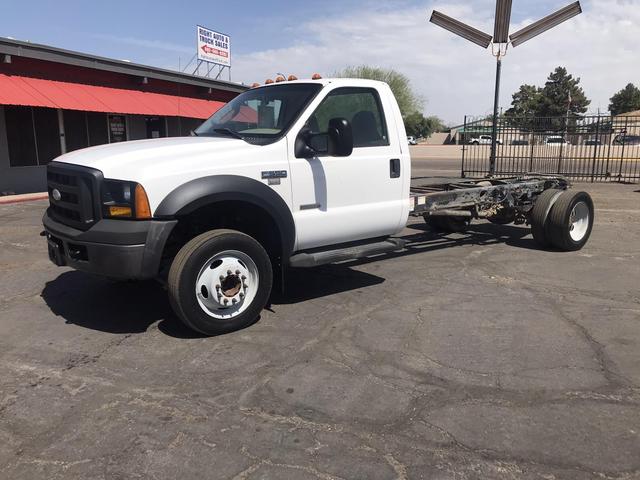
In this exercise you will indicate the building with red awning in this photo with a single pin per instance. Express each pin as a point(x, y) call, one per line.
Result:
point(53, 101)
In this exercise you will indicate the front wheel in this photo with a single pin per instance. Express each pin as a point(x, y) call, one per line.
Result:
point(220, 281)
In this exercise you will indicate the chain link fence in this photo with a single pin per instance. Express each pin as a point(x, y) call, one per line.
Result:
point(592, 148)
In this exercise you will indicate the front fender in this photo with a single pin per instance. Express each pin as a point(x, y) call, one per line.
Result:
point(217, 188)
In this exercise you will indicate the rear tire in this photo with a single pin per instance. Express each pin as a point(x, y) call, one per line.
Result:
point(220, 281)
point(540, 214)
point(570, 221)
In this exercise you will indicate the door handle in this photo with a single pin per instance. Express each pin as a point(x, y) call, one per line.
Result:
point(394, 168)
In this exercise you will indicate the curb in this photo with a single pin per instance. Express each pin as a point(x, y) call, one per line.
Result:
point(26, 197)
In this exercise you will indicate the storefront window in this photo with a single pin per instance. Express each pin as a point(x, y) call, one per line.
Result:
point(32, 135)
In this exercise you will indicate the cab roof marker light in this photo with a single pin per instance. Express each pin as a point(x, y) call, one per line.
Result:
point(292, 78)
point(316, 76)
point(465, 31)
point(255, 85)
point(548, 22)
point(280, 78)
point(268, 81)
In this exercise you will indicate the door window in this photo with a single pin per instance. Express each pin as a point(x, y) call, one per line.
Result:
point(361, 106)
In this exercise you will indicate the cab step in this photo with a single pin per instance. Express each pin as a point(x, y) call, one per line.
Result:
point(323, 257)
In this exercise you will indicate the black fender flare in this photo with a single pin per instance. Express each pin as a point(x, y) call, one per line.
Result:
point(203, 191)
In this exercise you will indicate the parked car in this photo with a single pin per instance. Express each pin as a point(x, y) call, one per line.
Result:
point(592, 141)
point(483, 140)
point(556, 140)
point(519, 142)
point(626, 140)
point(411, 140)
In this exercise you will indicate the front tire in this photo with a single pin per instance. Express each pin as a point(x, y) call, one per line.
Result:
point(220, 281)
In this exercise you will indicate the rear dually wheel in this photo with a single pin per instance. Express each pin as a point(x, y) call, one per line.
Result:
point(570, 221)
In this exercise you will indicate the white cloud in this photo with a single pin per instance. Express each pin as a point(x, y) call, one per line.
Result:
point(455, 76)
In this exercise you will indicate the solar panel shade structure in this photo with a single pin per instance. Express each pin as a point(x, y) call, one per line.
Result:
point(503, 17)
point(465, 31)
point(548, 22)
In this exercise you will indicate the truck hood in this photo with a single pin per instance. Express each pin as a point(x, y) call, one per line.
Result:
point(148, 158)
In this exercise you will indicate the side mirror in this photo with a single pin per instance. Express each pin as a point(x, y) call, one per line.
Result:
point(340, 138)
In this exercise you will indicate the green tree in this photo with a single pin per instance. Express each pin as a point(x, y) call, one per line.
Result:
point(408, 101)
point(417, 125)
point(524, 106)
point(525, 102)
point(626, 100)
point(562, 96)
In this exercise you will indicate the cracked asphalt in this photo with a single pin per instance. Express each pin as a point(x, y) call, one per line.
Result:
point(468, 356)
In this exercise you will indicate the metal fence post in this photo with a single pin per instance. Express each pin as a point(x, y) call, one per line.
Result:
point(624, 142)
point(595, 150)
point(463, 145)
point(532, 139)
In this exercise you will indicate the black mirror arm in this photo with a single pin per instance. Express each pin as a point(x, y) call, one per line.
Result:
point(302, 148)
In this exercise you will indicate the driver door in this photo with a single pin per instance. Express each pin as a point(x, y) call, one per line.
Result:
point(344, 199)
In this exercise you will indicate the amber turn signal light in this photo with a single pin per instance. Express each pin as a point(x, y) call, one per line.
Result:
point(143, 210)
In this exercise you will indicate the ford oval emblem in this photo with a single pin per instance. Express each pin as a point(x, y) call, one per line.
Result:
point(56, 195)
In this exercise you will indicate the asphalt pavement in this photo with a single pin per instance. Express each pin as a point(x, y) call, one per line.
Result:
point(472, 355)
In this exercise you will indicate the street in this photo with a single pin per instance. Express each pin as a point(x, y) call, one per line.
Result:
point(471, 355)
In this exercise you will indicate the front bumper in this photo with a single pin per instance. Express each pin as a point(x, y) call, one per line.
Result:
point(113, 248)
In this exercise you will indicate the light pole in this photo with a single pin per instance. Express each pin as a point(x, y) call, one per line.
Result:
point(500, 43)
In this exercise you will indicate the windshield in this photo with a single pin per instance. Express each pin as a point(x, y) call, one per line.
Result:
point(261, 115)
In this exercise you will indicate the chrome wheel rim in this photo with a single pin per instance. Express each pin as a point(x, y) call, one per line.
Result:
point(579, 221)
point(227, 284)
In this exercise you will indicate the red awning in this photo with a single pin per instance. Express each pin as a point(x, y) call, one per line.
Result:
point(36, 92)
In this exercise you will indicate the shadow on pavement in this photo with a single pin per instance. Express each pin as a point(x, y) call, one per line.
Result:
point(132, 307)
point(308, 283)
point(99, 304)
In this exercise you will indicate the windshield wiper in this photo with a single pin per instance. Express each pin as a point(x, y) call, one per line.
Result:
point(229, 132)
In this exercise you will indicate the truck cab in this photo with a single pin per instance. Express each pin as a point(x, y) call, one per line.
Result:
point(280, 170)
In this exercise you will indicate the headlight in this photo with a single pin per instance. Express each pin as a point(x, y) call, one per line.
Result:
point(122, 199)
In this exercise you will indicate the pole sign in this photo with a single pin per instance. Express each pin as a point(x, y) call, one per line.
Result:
point(213, 47)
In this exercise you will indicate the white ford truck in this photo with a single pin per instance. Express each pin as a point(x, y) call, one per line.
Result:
point(293, 174)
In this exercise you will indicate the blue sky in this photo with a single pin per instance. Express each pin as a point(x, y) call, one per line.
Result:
point(301, 37)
